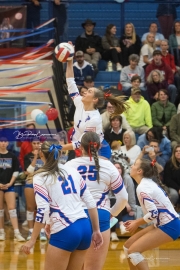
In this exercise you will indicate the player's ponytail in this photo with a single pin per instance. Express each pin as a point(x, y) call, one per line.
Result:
point(118, 102)
point(90, 142)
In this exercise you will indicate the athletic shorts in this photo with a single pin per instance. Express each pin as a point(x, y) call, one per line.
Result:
point(172, 228)
point(104, 219)
point(10, 189)
point(105, 150)
point(76, 236)
point(28, 185)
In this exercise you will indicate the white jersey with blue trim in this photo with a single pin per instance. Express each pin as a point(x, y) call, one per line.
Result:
point(83, 120)
point(155, 204)
point(110, 179)
point(60, 202)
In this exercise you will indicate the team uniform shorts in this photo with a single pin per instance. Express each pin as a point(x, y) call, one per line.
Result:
point(172, 228)
point(10, 189)
point(76, 236)
point(104, 219)
point(28, 185)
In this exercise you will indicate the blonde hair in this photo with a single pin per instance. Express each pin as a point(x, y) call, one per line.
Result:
point(173, 158)
point(150, 77)
point(115, 145)
point(131, 135)
point(51, 166)
point(133, 32)
point(149, 44)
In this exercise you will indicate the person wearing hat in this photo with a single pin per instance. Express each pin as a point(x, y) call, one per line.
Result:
point(138, 114)
point(82, 69)
point(90, 43)
point(158, 63)
point(88, 82)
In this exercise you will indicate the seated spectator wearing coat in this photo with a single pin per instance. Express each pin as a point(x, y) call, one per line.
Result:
point(174, 130)
point(90, 43)
point(169, 60)
point(130, 43)
point(153, 30)
point(174, 40)
point(172, 175)
point(151, 152)
point(115, 133)
point(162, 111)
point(81, 69)
point(155, 82)
point(128, 72)
point(112, 50)
point(138, 114)
point(146, 54)
point(159, 64)
point(164, 142)
point(106, 116)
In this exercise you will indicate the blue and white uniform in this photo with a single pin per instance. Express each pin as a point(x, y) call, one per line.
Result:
point(59, 204)
point(157, 207)
point(110, 179)
point(85, 120)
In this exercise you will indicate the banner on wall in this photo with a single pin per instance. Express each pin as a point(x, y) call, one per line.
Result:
point(12, 17)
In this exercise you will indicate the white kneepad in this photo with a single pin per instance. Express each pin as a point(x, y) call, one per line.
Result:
point(135, 258)
point(29, 215)
point(13, 213)
point(125, 251)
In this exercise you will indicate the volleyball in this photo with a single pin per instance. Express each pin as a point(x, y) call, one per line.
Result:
point(64, 52)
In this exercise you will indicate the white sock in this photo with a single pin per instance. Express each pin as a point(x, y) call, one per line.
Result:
point(42, 230)
point(16, 231)
point(31, 230)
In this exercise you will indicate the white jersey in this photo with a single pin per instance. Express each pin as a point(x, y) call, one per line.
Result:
point(155, 204)
point(83, 120)
point(59, 201)
point(110, 179)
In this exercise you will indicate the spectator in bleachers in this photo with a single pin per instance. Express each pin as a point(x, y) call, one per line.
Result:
point(174, 39)
point(112, 50)
point(162, 111)
point(172, 175)
point(159, 64)
point(155, 82)
point(106, 116)
point(166, 14)
point(146, 54)
point(115, 133)
point(174, 130)
point(153, 28)
point(130, 43)
point(138, 114)
point(88, 82)
point(169, 60)
point(151, 152)
point(81, 69)
point(130, 71)
point(90, 43)
point(164, 142)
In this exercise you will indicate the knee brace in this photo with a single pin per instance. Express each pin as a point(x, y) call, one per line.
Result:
point(13, 213)
point(29, 215)
point(1, 213)
point(136, 258)
point(125, 251)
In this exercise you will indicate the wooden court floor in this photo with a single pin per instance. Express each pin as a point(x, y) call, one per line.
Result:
point(167, 257)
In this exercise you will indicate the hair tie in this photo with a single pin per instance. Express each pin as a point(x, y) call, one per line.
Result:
point(108, 94)
point(89, 149)
point(56, 149)
point(153, 163)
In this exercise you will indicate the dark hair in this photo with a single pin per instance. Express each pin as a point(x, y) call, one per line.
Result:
point(136, 77)
point(150, 171)
point(164, 91)
point(51, 166)
point(31, 124)
point(122, 167)
point(154, 140)
point(173, 158)
point(157, 132)
point(174, 30)
point(81, 88)
point(91, 142)
point(108, 33)
point(152, 23)
point(118, 117)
